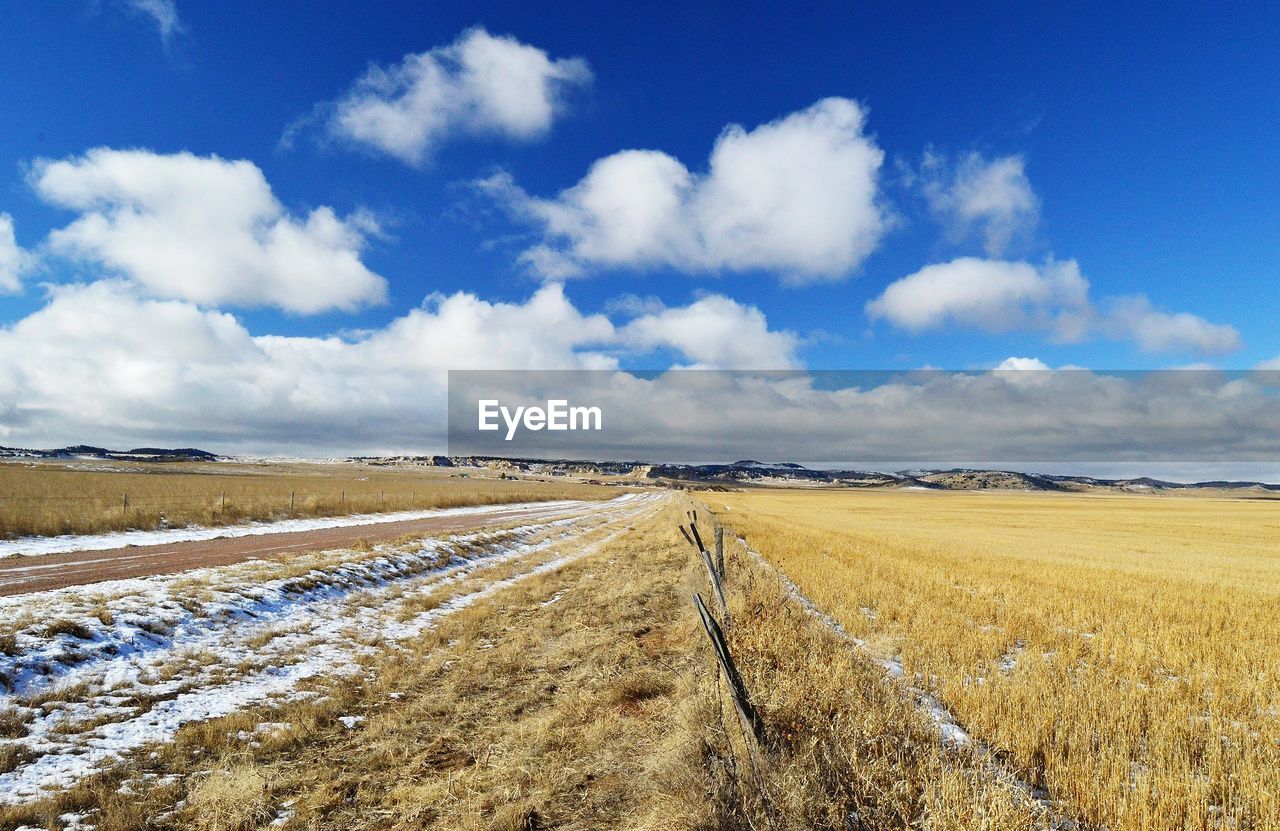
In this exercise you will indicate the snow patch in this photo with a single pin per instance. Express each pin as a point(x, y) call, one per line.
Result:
point(174, 650)
point(36, 546)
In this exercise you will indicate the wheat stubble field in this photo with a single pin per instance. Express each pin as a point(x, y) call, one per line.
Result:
point(47, 498)
point(1119, 652)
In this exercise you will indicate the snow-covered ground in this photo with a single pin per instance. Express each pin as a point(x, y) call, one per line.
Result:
point(134, 660)
point(33, 546)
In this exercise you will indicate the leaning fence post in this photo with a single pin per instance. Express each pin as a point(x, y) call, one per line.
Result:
point(720, 550)
point(737, 689)
point(712, 575)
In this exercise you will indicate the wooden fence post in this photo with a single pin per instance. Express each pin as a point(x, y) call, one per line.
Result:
point(712, 575)
point(720, 550)
point(291, 502)
point(737, 689)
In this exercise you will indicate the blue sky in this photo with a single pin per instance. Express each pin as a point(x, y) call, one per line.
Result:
point(1094, 187)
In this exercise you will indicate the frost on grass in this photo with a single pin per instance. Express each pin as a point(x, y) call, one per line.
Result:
point(97, 673)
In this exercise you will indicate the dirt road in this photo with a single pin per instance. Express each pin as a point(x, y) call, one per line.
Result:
point(20, 575)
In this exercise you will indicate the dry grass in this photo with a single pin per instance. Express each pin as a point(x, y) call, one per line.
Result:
point(845, 748)
point(231, 798)
point(584, 698)
point(1119, 651)
point(13, 724)
point(74, 628)
point(46, 499)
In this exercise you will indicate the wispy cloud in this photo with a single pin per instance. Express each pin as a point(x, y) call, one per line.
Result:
point(14, 261)
point(163, 13)
point(479, 84)
point(990, 199)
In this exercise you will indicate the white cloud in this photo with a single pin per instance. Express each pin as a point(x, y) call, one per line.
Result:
point(208, 230)
point(1002, 296)
point(164, 13)
point(990, 198)
point(715, 332)
point(480, 83)
point(1156, 331)
point(103, 363)
point(1021, 364)
point(13, 260)
point(797, 196)
point(991, 295)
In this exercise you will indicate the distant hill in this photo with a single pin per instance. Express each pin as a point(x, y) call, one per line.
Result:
point(751, 472)
point(954, 479)
point(137, 454)
point(742, 473)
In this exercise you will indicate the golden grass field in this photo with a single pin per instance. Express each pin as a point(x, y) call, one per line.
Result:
point(77, 497)
point(583, 699)
point(1117, 651)
point(1123, 652)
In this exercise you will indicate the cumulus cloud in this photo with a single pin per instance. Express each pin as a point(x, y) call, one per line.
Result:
point(13, 260)
point(796, 196)
point(479, 84)
point(715, 332)
point(1003, 296)
point(207, 230)
point(991, 295)
point(163, 13)
point(104, 360)
point(989, 198)
point(1016, 364)
point(105, 363)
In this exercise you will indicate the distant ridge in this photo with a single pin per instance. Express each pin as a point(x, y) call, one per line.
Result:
point(744, 472)
point(137, 454)
point(750, 472)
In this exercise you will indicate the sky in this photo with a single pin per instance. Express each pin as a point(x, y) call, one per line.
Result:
point(272, 227)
